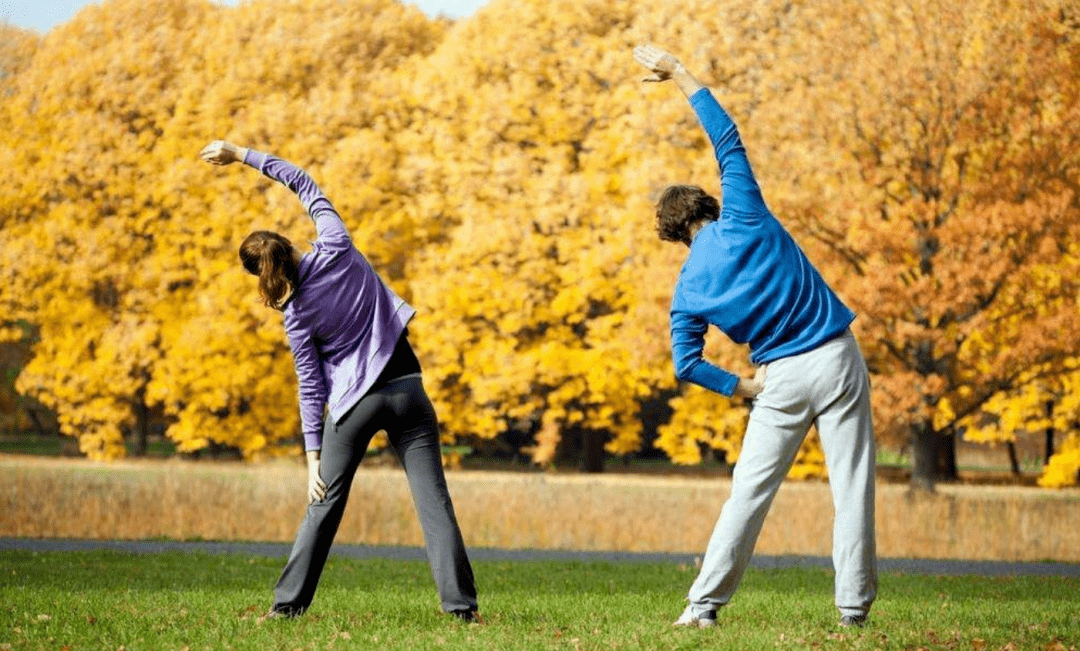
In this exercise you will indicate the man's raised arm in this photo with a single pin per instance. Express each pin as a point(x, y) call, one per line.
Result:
point(664, 66)
point(741, 191)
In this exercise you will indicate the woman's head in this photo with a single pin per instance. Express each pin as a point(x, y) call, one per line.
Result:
point(680, 209)
point(269, 256)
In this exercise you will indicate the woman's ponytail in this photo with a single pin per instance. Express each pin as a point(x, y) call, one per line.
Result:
point(269, 256)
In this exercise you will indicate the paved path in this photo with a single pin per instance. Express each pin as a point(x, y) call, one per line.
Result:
point(901, 565)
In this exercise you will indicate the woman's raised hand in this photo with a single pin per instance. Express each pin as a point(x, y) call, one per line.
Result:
point(221, 152)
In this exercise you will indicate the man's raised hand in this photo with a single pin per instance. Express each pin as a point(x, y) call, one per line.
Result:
point(662, 64)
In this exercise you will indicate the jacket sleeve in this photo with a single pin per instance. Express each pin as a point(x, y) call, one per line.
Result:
point(687, 345)
point(312, 384)
point(740, 188)
point(328, 222)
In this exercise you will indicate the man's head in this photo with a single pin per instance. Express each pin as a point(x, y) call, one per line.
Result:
point(681, 209)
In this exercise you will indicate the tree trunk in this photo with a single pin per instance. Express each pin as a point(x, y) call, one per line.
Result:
point(593, 443)
point(924, 453)
point(946, 469)
point(1049, 431)
point(39, 428)
point(934, 456)
point(1014, 462)
point(140, 433)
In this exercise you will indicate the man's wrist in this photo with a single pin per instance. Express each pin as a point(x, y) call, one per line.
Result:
point(686, 81)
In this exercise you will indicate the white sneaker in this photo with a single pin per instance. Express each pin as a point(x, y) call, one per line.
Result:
point(689, 619)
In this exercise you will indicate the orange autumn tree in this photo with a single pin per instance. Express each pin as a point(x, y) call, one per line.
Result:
point(924, 155)
point(944, 197)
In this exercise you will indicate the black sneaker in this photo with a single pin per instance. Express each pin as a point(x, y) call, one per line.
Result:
point(853, 621)
point(468, 616)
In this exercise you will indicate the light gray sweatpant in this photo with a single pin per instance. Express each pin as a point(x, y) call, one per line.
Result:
point(829, 387)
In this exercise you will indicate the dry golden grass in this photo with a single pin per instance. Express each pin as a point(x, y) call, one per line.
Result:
point(45, 497)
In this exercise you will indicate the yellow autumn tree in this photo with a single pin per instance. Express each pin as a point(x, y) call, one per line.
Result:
point(120, 246)
point(501, 171)
point(532, 293)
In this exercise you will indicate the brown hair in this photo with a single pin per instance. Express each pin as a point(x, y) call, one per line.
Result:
point(679, 208)
point(269, 256)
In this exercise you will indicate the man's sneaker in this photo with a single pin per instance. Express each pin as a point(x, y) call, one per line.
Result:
point(853, 621)
point(468, 616)
point(689, 619)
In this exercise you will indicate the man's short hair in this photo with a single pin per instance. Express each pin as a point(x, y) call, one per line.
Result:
point(679, 208)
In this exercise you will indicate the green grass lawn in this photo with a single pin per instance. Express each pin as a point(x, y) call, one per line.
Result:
point(110, 600)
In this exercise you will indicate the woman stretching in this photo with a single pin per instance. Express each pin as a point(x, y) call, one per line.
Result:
point(350, 347)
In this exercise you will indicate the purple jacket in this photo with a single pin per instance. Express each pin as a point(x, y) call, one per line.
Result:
point(343, 321)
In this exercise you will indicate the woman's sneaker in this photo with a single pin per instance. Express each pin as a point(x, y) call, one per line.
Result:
point(468, 616)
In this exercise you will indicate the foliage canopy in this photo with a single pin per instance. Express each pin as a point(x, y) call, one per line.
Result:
point(500, 172)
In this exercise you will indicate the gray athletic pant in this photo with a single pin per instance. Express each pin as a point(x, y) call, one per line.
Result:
point(828, 387)
point(402, 408)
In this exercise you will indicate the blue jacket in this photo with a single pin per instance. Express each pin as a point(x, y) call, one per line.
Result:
point(745, 274)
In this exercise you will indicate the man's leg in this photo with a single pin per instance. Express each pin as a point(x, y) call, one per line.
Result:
point(847, 436)
point(343, 449)
point(778, 423)
point(415, 438)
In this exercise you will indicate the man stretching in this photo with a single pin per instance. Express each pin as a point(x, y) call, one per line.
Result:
point(747, 276)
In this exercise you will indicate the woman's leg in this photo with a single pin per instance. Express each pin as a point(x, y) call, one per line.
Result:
point(343, 448)
point(415, 437)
